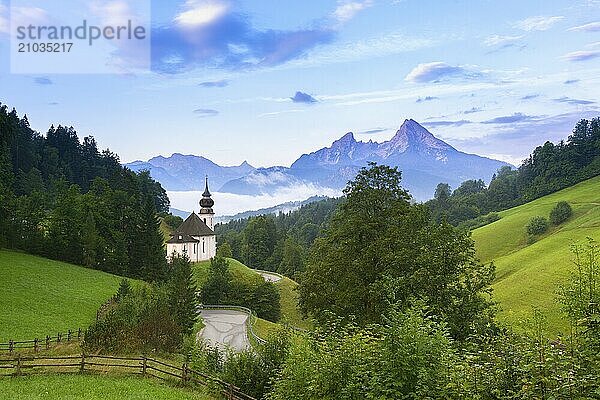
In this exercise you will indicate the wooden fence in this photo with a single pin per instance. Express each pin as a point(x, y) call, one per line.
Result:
point(145, 366)
point(38, 344)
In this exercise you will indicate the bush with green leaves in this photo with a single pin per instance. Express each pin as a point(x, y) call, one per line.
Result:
point(537, 225)
point(149, 318)
point(560, 213)
point(140, 321)
point(410, 356)
point(252, 370)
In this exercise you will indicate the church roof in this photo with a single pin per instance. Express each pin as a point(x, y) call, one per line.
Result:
point(178, 237)
point(194, 226)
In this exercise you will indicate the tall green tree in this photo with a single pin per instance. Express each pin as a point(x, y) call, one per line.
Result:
point(381, 250)
point(216, 288)
point(183, 297)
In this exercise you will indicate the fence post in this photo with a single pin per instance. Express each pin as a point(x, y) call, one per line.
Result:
point(18, 370)
point(79, 333)
point(36, 346)
point(47, 342)
point(184, 373)
point(82, 367)
point(58, 336)
point(144, 364)
point(11, 346)
point(231, 391)
point(69, 335)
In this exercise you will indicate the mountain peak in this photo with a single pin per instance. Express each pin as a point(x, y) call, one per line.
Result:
point(413, 134)
point(346, 139)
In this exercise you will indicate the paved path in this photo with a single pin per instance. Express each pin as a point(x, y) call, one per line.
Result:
point(225, 328)
point(268, 276)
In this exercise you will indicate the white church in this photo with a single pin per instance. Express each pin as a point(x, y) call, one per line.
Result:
point(196, 237)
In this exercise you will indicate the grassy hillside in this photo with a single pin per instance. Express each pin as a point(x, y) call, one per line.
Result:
point(528, 274)
point(40, 296)
point(91, 387)
point(289, 297)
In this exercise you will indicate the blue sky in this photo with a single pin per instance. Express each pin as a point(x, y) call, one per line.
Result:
point(266, 81)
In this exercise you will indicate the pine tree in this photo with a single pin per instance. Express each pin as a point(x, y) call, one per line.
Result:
point(150, 249)
point(182, 293)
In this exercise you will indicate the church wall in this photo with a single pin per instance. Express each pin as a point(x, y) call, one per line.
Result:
point(199, 253)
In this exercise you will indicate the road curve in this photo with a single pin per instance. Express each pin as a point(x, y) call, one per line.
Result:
point(225, 329)
point(267, 276)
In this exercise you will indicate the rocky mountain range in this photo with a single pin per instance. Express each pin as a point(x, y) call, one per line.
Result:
point(424, 160)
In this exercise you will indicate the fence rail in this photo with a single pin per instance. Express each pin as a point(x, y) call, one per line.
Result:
point(142, 365)
point(38, 344)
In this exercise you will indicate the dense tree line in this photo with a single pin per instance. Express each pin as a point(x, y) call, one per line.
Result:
point(549, 168)
point(277, 242)
point(65, 199)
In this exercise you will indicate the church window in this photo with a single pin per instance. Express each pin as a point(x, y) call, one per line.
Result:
point(204, 251)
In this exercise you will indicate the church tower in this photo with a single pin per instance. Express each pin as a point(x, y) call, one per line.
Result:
point(206, 203)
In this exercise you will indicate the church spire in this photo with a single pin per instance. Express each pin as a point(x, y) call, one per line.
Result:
point(206, 202)
point(206, 192)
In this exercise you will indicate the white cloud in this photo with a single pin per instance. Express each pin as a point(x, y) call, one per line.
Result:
point(116, 12)
point(346, 10)
point(582, 55)
point(538, 23)
point(591, 27)
point(29, 15)
point(201, 12)
point(229, 204)
point(496, 40)
point(435, 71)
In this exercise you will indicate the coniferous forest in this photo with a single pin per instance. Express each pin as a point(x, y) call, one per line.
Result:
point(63, 198)
point(548, 169)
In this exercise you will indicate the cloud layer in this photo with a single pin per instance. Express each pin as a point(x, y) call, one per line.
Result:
point(436, 71)
point(538, 23)
point(210, 33)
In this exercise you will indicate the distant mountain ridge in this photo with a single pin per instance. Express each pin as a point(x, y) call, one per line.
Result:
point(187, 172)
point(280, 208)
point(424, 160)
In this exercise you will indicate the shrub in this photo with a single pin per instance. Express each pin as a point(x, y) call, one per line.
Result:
point(252, 370)
point(224, 250)
point(537, 225)
point(560, 213)
point(140, 321)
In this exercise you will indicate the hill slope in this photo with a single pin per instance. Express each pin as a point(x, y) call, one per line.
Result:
point(527, 275)
point(41, 296)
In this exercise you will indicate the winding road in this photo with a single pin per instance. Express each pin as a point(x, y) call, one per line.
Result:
point(226, 329)
point(267, 276)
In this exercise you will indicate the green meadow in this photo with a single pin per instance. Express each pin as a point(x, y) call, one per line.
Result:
point(92, 387)
point(40, 297)
point(528, 273)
